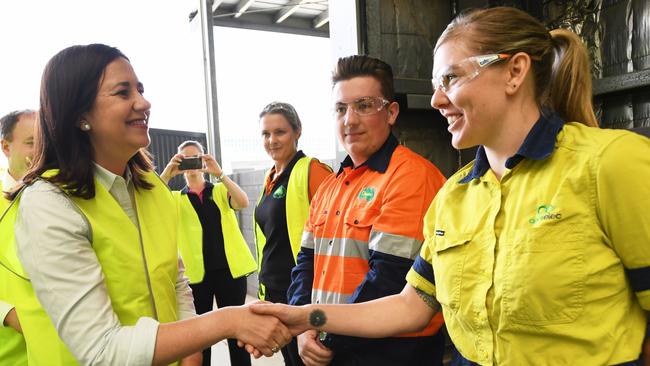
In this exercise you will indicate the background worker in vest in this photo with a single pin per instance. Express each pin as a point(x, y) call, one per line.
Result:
point(283, 205)
point(216, 256)
point(538, 251)
point(365, 223)
point(97, 231)
point(17, 139)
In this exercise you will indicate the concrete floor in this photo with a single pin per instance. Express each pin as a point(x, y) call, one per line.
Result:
point(220, 355)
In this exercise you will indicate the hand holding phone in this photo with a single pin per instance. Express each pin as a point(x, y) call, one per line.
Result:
point(190, 163)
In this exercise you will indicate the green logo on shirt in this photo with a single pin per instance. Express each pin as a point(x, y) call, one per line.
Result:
point(367, 194)
point(280, 192)
point(544, 213)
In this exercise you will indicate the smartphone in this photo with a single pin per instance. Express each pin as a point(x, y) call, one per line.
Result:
point(191, 163)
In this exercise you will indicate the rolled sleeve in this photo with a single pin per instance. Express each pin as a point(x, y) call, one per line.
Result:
point(420, 276)
point(4, 310)
point(184, 297)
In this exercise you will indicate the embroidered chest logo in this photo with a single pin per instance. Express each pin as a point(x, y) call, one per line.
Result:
point(545, 213)
point(280, 192)
point(367, 194)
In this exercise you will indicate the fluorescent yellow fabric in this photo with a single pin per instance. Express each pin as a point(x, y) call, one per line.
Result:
point(531, 270)
point(12, 343)
point(123, 252)
point(297, 202)
point(239, 257)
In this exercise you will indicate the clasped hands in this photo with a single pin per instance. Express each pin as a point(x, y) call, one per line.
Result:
point(285, 322)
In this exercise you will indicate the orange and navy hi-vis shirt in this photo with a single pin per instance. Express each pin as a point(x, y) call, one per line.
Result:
point(365, 228)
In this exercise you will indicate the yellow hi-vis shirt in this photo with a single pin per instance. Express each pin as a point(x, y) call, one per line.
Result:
point(550, 265)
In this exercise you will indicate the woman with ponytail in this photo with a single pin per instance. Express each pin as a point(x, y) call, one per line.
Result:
point(538, 251)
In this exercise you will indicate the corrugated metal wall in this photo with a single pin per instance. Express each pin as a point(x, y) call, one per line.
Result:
point(617, 33)
point(403, 32)
point(163, 147)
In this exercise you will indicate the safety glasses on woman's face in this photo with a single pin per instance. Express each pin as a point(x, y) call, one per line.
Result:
point(364, 106)
point(467, 69)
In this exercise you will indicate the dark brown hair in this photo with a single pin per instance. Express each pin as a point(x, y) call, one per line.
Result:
point(560, 61)
point(361, 65)
point(69, 88)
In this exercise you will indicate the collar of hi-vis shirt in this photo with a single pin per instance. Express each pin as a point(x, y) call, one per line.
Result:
point(538, 145)
point(270, 183)
point(377, 161)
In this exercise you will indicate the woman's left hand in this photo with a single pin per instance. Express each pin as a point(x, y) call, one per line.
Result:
point(211, 165)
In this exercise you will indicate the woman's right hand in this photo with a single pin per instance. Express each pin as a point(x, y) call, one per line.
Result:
point(264, 333)
point(171, 170)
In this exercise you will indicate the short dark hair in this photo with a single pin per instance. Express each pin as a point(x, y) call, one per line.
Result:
point(69, 87)
point(361, 65)
point(9, 121)
point(285, 109)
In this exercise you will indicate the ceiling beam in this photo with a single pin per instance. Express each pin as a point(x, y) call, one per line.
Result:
point(291, 8)
point(215, 5)
point(322, 19)
point(242, 6)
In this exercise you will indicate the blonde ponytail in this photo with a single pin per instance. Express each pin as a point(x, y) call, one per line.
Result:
point(570, 87)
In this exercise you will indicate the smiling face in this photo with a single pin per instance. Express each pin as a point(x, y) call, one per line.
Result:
point(119, 115)
point(279, 138)
point(474, 109)
point(362, 136)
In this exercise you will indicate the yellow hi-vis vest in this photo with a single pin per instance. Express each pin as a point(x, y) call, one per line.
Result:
point(140, 266)
point(239, 257)
point(297, 208)
point(12, 344)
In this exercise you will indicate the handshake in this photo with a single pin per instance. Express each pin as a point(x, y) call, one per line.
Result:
point(263, 328)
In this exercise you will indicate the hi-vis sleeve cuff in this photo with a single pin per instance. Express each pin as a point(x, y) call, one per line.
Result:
point(420, 276)
point(307, 240)
point(640, 281)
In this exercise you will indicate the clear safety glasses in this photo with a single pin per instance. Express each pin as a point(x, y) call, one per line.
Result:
point(467, 69)
point(363, 106)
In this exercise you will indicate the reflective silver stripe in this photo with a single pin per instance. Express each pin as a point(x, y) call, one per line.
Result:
point(344, 247)
point(326, 297)
point(397, 245)
point(307, 240)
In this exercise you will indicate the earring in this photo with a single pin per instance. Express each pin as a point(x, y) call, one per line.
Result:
point(84, 126)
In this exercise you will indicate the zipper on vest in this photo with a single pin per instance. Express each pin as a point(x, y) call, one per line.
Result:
point(144, 261)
